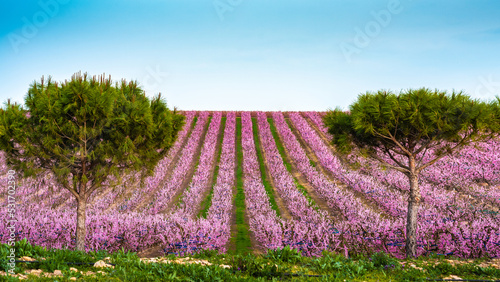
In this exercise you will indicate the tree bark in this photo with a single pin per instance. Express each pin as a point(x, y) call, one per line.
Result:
point(413, 205)
point(81, 227)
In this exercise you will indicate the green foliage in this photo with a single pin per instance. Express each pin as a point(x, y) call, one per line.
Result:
point(50, 260)
point(341, 266)
point(279, 145)
point(285, 254)
point(257, 267)
point(86, 129)
point(383, 260)
point(283, 264)
point(398, 130)
point(416, 118)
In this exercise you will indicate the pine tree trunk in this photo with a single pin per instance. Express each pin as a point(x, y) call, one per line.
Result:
point(411, 220)
point(81, 227)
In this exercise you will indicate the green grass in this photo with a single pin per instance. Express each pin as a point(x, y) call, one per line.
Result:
point(288, 166)
point(242, 238)
point(284, 264)
point(207, 202)
point(267, 185)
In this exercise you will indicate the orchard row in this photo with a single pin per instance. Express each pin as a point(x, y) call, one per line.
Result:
point(315, 201)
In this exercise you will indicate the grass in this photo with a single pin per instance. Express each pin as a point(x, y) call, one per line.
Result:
point(284, 264)
point(241, 240)
point(288, 166)
point(207, 202)
point(267, 185)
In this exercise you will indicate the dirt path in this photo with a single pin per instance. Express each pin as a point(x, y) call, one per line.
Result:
point(312, 156)
point(170, 170)
point(189, 175)
point(212, 181)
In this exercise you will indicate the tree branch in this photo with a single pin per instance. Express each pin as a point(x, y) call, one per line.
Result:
point(399, 145)
point(459, 144)
point(77, 196)
point(395, 160)
point(423, 147)
point(389, 165)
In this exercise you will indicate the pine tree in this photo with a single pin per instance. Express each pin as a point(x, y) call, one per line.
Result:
point(399, 131)
point(87, 131)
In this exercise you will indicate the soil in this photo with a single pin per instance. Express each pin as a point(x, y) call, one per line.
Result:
point(170, 169)
point(190, 173)
point(211, 180)
point(333, 213)
point(155, 251)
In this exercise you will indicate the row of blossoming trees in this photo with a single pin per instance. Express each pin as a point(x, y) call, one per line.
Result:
point(93, 136)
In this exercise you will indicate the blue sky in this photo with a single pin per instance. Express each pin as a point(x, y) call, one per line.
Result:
point(255, 54)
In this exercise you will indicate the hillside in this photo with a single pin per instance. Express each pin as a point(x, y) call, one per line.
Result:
point(252, 181)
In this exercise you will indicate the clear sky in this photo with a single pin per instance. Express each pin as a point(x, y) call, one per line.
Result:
point(255, 54)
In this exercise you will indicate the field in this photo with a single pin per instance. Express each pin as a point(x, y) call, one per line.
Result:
point(252, 181)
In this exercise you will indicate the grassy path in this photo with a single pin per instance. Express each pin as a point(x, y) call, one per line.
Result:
point(265, 181)
point(241, 237)
point(288, 166)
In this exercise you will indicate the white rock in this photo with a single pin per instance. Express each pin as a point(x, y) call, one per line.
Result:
point(35, 271)
point(27, 258)
point(102, 264)
point(453, 277)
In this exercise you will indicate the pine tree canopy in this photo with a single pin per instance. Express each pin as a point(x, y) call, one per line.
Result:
point(410, 131)
point(86, 129)
point(412, 122)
